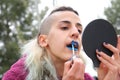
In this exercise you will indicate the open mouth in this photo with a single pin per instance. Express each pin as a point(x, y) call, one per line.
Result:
point(73, 45)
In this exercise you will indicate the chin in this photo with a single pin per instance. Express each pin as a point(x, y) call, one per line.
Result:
point(68, 58)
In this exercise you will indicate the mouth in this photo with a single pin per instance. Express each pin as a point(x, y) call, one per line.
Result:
point(73, 44)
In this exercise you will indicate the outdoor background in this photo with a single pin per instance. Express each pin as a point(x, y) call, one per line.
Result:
point(20, 19)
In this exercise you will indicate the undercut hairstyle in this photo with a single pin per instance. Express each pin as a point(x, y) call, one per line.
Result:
point(63, 8)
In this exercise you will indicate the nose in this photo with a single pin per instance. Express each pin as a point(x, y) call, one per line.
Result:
point(74, 33)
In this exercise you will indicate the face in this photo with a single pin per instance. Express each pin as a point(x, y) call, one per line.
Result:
point(65, 28)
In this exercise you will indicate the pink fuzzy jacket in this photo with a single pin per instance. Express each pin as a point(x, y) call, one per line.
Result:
point(18, 72)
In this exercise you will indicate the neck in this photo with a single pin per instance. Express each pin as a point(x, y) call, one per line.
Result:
point(59, 69)
point(59, 66)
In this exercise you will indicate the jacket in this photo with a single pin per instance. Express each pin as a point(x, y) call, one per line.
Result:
point(18, 72)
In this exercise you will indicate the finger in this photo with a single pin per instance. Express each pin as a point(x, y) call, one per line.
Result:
point(78, 62)
point(104, 57)
point(111, 64)
point(105, 62)
point(113, 49)
point(118, 42)
point(78, 68)
point(67, 66)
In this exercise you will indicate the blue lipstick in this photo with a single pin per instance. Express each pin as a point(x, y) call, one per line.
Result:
point(73, 45)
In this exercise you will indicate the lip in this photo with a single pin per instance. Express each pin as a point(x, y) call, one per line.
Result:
point(74, 44)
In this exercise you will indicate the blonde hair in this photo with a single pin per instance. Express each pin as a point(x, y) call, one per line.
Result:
point(38, 63)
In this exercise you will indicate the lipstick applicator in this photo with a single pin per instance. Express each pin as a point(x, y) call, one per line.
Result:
point(73, 50)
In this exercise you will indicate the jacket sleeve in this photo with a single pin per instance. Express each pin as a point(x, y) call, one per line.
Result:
point(16, 72)
point(88, 77)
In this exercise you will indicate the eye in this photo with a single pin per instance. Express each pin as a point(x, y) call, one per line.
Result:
point(64, 28)
point(80, 31)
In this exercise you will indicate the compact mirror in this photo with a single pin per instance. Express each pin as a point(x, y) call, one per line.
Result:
point(95, 33)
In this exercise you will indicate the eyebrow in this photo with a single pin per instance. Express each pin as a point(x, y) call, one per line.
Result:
point(79, 24)
point(68, 22)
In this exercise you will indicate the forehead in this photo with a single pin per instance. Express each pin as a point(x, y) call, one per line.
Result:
point(64, 16)
point(54, 19)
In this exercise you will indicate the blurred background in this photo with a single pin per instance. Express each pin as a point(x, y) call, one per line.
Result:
point(20, 19)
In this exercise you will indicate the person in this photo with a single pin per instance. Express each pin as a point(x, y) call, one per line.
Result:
point(52, 56)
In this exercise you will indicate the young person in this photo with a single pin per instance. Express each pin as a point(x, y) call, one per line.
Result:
point(50, 55)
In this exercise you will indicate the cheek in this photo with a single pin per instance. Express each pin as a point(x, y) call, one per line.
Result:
point(54, 46)
point(56, 43)
point(55, 36)
point(80, 43)
point(53, 40)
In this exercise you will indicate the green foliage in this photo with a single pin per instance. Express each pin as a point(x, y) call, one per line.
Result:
point(113, 14)
point(11, 12)
point(9, 56)
point(16, 26)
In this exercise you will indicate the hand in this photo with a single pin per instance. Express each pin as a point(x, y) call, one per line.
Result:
point(74, 70)
point(118, 59)
point(109, 67)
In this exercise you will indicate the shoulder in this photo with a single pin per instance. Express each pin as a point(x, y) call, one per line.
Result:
point(88, 77)
point(17, 71)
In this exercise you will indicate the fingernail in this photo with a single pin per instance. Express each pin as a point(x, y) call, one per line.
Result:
point(98, 52)
point(104, 43)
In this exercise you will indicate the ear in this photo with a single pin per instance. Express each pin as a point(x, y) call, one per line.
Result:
point(42, 40)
